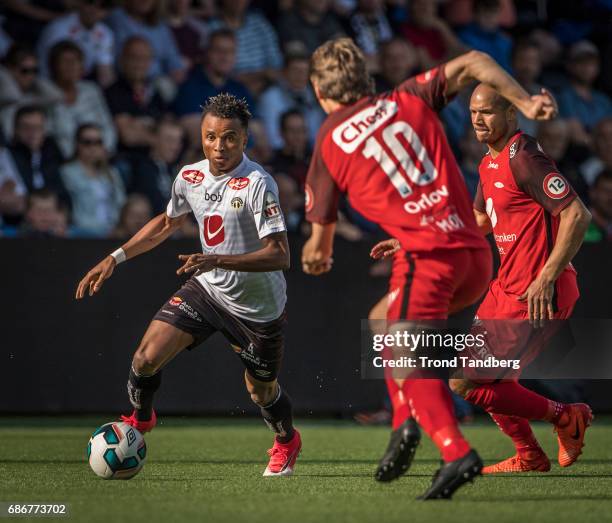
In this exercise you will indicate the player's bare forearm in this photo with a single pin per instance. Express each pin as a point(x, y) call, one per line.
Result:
point(573, 223)
point(317, 251)
point(479, 66)
point(274, 256)
point(152, 234)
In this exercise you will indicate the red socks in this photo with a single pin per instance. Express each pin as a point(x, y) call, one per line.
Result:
point(512, 399)
point(432, 407)
point(399, 402)
point(519, 430)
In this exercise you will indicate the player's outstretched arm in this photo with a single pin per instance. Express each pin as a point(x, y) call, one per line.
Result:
point(479, 66)
point(147, 238)
point(573, 223)
point(273, 256)
point(385, 248)
point(317, 251)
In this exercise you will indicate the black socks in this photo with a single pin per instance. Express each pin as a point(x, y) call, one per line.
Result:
point(278, 416)
point(141, 390)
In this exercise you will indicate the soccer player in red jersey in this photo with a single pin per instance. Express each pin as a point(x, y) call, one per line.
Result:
point(538, 223)
point(390, 155)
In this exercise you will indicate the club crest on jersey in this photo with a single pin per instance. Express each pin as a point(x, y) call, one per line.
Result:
point(236, 203)
point(309, 199)
point(175, 301)
point(238, 183)
point(214, 232)
point(513, 150)
point(352, 132)
point(499, 185)
point(555, 186)
point(193, 176)
point(271, 208)
point(425, 77)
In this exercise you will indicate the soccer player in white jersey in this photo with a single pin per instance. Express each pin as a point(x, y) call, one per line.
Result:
point(237, 286)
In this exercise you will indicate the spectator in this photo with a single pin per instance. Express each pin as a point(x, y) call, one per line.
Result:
point(600, 228)
point(134, 100)
point(429, 33)
point(20, 86)
point(258, 57)
point(309, 22)
point(370, 28)
point(82, 102)
point(484, 34)
point(259, 149)
point(84, 28)
point(27, 18)
point(210, 79)
point(579, 102)
point(152, 175)
point(189, 32)
point(602, 146)
point(95, 187)
point(36, 155)
point(12, 190)
point(293, 158)
point(142, 18)
point(45, 215)
point(472, 152)
point(398, 61)
point(5, 40)
point(136, 213)
point(527, 67)
point(291, 200)
point(292, 91)
point(554, 138)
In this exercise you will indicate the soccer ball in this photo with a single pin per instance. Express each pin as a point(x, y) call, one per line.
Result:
point(116, 450)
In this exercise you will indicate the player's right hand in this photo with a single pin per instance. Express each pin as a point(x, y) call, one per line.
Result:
point(385, 248)
point(94, 279)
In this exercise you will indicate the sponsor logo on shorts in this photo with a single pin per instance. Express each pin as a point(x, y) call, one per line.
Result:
point(236, 203)
point(555, 186)
point(352, 132)
point(214, 232)
point(263, 373)
point(238, 183)
point(188, 310)
point(427, 76)
point(175, 301)
point(193, 176)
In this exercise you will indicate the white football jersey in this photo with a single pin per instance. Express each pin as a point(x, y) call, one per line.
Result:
point(234, 212)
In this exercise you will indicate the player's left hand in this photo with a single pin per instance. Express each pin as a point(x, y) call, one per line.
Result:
point(385, 248)
point(541, 106)
point(539, 297)
point(196, 263)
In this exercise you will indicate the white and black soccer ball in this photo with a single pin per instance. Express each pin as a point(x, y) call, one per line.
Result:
point(116, 450)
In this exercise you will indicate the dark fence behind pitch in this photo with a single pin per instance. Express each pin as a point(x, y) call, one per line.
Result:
point(62, 356)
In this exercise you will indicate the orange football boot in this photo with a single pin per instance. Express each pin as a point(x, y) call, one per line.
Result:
point(571, 435)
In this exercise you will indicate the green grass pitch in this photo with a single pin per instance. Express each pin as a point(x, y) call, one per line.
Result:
point(210, 470)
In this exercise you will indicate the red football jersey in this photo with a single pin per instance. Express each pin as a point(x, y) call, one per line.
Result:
point(390, 155)
point(522, 192)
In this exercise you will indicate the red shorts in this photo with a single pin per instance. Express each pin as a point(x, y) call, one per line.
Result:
point(509, 335)
point(433, 285)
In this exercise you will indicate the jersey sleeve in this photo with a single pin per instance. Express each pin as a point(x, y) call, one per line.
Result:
point(429, 86)
point(536, 174)
point(178, 204)
point(479, 203)
point(322, 192)
point(266, 207)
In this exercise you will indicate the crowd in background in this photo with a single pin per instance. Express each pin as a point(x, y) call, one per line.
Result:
point(100, 100)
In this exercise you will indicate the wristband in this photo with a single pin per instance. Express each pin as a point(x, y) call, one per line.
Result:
point(119, 255)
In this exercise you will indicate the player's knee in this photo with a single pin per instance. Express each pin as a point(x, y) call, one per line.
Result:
point(146, 359)
point(263, 394)
point(461, 387)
